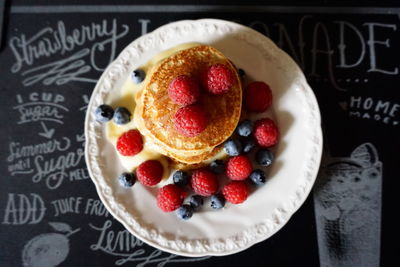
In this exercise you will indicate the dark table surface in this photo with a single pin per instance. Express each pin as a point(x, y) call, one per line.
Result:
point(348, 51)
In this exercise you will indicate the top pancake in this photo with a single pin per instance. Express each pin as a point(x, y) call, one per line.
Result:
point(155, 111)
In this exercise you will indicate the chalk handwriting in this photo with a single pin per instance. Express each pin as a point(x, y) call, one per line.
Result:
point(20, 156)
point(368, 108)
point(79, 205)
point(144, 23)
point(21, 166)
point(372, 42)
point(130, 249)
point(59, 72)
point(39, 111)
point(95, 207)
point(17, 151)
point(54, 170)
point(33, 159)
point(66, 205)
point(78, 174)
point(24, 209)
point(41, 97)
point(80, 48)
point(343, 25)
point(317, 46)
point(321, 29)
point(41, 107)
point(45, 164)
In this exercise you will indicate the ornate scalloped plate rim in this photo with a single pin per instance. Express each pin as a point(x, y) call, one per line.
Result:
point(259, 232)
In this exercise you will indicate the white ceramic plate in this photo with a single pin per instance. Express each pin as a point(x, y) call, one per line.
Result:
point(268, 208)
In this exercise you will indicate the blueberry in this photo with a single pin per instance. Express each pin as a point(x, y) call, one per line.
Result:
point(196, 202)
point(127, 179)
point(245, 128)
point(185, 212)
point(247, 144)
point(217, 166)
point(104, 113)
point(217, 201)
point(180, 178)
point(122, 116)
point(258, 177)
point(233, 147)
point(264, 157)
point(242, 73)
point(138, 76)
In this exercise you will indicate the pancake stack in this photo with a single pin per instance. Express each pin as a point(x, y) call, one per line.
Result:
point(154, 109)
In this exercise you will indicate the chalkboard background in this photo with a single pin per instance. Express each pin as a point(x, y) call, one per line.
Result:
point(50, 61)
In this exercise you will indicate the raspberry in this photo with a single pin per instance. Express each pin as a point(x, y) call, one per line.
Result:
point(150, 172)
point(266, 132)
point(217, 79)
point(258, 97)
point(170, 197)
point(183, 90)
point(130, 143)
point(239, 167)
point(190, 121)
point(236, 192)
point(204, 182)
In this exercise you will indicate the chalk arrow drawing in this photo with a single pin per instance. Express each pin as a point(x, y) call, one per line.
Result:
point(80, 137)
point(46, 132)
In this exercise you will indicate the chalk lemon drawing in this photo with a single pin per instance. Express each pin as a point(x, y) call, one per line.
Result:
point(49, 249)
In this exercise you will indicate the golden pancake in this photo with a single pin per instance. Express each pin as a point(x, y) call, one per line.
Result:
point(154, 110)
point(217, 153)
